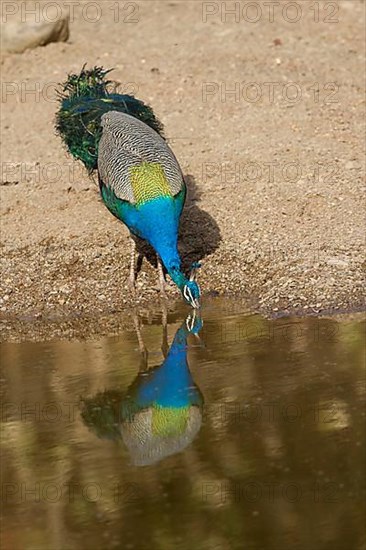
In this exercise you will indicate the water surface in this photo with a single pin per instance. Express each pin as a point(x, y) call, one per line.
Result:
point(257, 437)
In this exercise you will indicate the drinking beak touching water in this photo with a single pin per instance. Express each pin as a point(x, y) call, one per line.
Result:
point(191, 290)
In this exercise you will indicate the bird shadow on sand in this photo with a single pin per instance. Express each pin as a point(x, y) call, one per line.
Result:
point(199, 234)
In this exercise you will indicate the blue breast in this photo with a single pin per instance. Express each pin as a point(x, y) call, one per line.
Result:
point(156, 221)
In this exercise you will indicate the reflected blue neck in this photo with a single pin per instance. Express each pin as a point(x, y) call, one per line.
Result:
point(171, 384)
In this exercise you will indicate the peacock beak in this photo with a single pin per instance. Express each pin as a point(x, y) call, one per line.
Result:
point(196, 304)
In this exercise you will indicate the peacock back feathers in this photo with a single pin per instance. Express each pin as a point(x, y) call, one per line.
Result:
point(135, 162)
point(154, 435)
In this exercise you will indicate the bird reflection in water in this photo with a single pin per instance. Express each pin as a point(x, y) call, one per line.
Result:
point(161, 413)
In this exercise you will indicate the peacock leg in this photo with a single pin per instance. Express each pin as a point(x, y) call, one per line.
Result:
point(161, 277)
point(164, 344)
point(132, 277)
point(142, 347)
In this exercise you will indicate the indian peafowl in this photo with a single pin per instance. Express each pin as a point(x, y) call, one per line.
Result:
point(162, 411)
point(140, 180)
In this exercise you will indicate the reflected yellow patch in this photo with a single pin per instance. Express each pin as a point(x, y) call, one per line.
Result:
point(169, 420)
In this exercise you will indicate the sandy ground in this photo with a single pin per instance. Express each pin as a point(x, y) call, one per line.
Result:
point(266, 119)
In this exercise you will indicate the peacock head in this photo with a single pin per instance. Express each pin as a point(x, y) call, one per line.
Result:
point(191, 293)
point(190, 290)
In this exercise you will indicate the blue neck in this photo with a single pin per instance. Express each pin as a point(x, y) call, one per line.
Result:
point(164, 236)
point(171, 384)
point(171, 259)
point(157, 221)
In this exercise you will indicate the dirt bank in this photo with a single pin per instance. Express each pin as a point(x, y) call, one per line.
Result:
point(266, 119)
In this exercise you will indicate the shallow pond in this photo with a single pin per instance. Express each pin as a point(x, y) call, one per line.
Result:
point(249, 435)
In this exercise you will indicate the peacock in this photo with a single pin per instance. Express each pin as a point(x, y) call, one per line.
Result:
point(161, 412)
point(140, 180)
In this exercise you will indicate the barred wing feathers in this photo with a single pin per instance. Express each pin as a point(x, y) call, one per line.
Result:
point(131, 155)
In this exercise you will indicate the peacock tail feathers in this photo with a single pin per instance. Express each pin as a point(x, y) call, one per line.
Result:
point(101, 413)
point(89, 83)
point(84, 99)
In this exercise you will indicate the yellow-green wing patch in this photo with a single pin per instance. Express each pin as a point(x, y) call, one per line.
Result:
point(149, 182)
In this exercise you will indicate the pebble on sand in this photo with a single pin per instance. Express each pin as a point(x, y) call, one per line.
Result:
point(18, 36)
